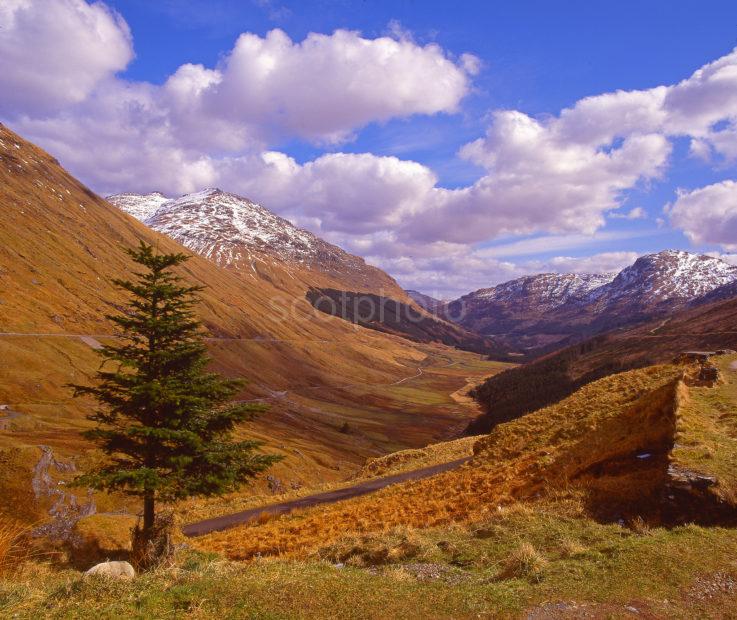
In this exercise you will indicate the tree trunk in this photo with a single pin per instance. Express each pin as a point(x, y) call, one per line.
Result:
point(148, 512)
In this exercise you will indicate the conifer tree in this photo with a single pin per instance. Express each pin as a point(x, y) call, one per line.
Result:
point(165, 422)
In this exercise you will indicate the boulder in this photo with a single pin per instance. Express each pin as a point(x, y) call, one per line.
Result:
point(113, 570)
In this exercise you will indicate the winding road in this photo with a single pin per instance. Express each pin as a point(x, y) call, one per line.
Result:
point(225, 522)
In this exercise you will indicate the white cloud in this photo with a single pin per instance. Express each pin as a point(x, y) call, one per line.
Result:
point(54, 53)
point(636, 213)
point(324, 87)
point(557, 243)
point(708, 214)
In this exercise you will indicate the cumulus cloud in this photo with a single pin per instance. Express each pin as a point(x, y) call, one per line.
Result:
point(56, 52)
point(323, 87)
point(707, 214)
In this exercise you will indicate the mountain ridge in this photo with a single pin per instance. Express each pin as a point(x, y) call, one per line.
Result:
point(238, 233)
point(534, 314)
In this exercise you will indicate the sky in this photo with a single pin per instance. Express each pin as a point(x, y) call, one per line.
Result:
point(454, 144)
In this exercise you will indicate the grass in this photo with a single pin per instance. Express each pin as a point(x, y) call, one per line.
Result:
point(517, 560)
point(510, 535)
point(14, 545)
point(707, 430)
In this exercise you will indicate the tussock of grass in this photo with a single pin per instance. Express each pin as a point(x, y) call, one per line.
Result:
point(525, 562)
point(14, 545)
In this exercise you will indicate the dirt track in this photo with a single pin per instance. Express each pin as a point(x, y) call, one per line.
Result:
point(239, 518)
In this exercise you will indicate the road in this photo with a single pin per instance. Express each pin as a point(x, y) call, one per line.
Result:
point(92, 341)
point(225, 522)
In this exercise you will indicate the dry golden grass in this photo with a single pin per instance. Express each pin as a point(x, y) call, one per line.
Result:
point(406, 460)
point(14, 545)
point(524, 562)
point(517, 461)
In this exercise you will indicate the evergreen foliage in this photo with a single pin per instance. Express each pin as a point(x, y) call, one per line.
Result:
point(165, 422)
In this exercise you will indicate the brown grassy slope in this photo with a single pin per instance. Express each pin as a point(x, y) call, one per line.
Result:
point(553, 448)
point(511, 394)
point(60, 247)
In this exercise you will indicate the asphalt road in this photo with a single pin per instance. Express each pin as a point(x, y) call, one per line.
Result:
point(225, 522)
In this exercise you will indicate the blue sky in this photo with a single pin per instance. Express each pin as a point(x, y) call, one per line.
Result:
point(535, 58)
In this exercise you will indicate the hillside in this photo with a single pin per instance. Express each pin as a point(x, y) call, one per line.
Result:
point(552, 377)
point(328, 382)
point(388, 315)
point(536, 314)
point(425, 301)
point(242, 236)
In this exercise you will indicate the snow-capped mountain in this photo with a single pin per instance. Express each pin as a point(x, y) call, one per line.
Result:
point(238, 233)
point(547, 309)
point(546, 290)
point(669, 276)
point(140, 206)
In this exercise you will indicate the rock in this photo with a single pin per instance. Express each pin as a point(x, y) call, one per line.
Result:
point(709, 374)
point(275, 485)
point(112, 570)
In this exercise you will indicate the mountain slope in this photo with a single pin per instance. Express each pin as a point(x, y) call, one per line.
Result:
point(244, 237)
point(388, 315)
point(546, 380)
point(522, 312)
point(426, 301)
point(239, 234)
point(537, 313)
point(60, 248)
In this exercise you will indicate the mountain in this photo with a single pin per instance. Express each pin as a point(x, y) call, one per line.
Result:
point(535, 314)
point(425, 301)
point(239, 234)
point(61, 247)
point(522, 312)
point(548, 379)
point(722, 293)
point(661, 281)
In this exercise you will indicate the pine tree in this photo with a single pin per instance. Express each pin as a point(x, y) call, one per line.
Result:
point(165, 423)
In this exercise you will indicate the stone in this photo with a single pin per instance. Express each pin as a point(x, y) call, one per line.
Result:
point(112, 570)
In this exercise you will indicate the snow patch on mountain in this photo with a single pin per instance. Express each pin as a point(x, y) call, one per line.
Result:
point(140, 206)
point(236, 232)
point(670, 275)
point(546, 290)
